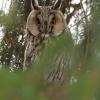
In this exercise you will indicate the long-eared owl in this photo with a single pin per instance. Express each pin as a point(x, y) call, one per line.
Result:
point(43, 23)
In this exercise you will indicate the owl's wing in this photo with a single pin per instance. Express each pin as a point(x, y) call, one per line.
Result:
point(62, 61)
point(28, 51)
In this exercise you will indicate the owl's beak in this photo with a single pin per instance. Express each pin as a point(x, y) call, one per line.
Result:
point(45, 23)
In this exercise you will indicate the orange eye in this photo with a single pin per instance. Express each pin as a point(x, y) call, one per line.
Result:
point(38, 22)
point(53, 22)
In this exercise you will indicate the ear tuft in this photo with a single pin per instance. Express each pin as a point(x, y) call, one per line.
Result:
point(57, 5)
point(35, 4)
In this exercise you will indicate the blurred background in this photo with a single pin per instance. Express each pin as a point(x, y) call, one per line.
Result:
point(83, 19)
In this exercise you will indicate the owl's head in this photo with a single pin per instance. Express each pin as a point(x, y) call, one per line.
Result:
point(46, 21)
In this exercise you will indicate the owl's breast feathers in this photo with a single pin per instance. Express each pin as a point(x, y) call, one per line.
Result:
point(36, 44)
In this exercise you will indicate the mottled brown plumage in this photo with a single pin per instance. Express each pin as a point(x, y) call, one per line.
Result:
point(43, 23)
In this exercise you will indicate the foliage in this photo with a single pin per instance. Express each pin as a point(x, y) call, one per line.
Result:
point(83, 82)
point(12, 45)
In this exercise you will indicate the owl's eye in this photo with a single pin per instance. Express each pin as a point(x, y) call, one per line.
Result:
point(53, 22)
point(38, 22)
